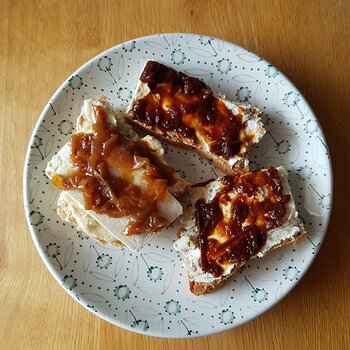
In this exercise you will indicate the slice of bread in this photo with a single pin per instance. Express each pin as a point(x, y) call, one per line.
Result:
point(101, 227)
point(182, 110)
point(235, 248)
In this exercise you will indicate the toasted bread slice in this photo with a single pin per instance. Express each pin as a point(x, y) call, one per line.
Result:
point(102, 227)
point(182, 110)
point(232, 220)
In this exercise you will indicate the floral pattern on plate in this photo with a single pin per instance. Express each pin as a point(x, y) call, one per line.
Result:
point(147, 292)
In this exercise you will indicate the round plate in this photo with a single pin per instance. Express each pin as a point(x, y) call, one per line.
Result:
point(147, 292)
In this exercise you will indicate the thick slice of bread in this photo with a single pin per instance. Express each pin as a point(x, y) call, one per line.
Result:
point(245, 117)
point(188, 245)
point(103, 228)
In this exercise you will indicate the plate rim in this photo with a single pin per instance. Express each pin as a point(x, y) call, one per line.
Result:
point(49, 266)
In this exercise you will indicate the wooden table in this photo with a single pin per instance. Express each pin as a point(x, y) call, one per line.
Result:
point(43, 42)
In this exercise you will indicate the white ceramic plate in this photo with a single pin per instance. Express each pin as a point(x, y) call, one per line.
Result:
point(147, 292)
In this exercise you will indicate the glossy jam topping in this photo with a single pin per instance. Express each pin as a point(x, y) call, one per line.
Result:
point(185, 105)
point(233, 226)
point(118, 177)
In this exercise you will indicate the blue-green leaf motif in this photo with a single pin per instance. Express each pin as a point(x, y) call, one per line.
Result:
point(135, 271)
point(94, 297)
point(68, 255)
point(102, 276)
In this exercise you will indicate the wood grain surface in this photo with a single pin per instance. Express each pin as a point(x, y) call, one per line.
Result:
point(43, 42)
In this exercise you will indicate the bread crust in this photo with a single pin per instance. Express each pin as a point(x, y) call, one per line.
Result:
point(115, 243)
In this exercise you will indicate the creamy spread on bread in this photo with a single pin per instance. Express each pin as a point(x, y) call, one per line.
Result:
point(287, 229)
